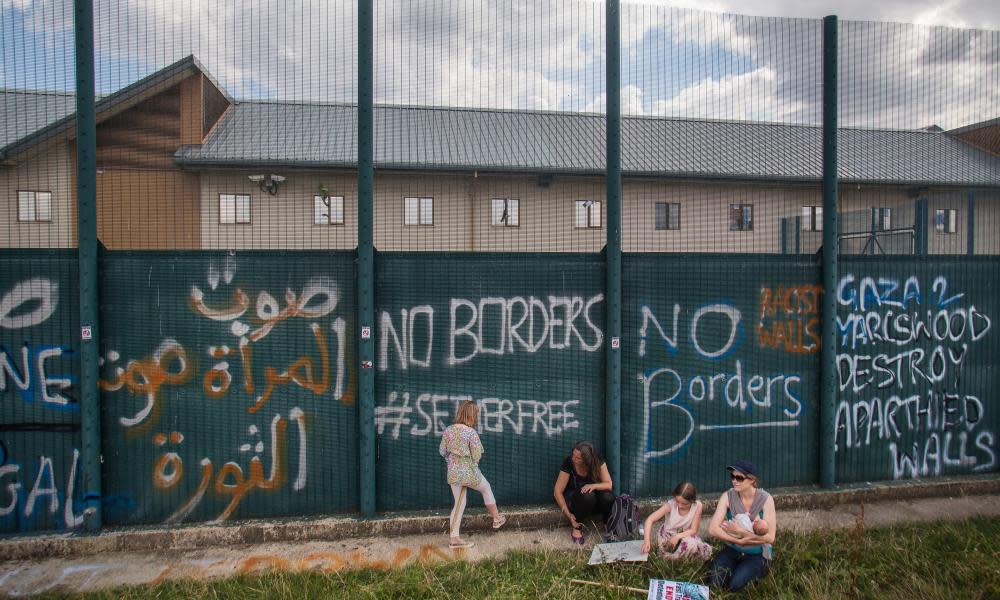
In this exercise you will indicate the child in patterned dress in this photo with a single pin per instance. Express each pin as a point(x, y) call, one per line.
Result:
point(462, 449)
point(678, 535)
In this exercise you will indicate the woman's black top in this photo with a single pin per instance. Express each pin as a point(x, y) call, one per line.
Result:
point(577, 481)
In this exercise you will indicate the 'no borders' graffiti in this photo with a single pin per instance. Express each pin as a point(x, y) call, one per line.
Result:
point(483, 327)
point(720, 355)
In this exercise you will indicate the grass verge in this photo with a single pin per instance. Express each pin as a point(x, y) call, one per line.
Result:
point(945, 560)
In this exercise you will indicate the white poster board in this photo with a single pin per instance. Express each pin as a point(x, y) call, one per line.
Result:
point(617, 552)
point(661, 589)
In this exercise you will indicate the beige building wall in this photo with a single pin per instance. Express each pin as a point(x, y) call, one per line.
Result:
point(948, 243)
point(704, 215)
point(987, 230)
point(452, 213)
point(48, 169)
point(282, 221)
point(546, 214)
point(856, 203)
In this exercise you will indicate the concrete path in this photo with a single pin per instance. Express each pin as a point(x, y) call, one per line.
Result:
point(112, 569)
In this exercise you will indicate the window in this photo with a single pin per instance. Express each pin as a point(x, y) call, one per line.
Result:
point(812, 218)
point(588, 214)
point(741, 217)
point(418, 211)
point(504, 212)
point(882, 218)
point(328, 211)
point(668, 216)
point(234, 209)
point(34, 206)
point(945, 220)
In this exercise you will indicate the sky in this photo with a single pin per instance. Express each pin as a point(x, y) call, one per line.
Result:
point(903, 64)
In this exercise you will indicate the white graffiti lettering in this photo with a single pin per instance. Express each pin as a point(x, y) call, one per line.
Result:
point(491, 327)
point(430, 414)
point(932, 425)
point(37, 290)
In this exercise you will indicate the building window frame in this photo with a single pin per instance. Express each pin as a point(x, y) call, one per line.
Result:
point(233, 215)
point(946, 221)
point(812, 218)
point(36, 200)
point(587, 214)
point(418, 211)
point(505, 212)
point(662, 213)
point(882, 218)
point(333, 206)
point(740, 217)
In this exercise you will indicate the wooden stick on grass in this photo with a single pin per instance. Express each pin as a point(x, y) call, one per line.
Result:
point(598, 584)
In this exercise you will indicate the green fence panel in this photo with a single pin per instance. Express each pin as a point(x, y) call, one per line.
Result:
point(720, 362)
point(40, 471)
point(226, 385)
point(522, 335)
point(917, 360)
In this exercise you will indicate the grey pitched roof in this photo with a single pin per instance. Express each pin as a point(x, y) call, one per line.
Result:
point(30, 118)
point(325, 135)
point(27, 111)
point(253, 134)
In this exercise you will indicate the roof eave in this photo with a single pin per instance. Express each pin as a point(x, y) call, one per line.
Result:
point(111, 105)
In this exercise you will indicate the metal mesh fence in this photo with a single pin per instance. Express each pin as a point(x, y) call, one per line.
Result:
point(723, 152)
point(917, 202)
point(233, 346)
point(40, 466)
point(489, 216)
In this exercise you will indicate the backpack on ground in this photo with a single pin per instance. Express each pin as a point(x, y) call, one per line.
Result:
point(623, 520)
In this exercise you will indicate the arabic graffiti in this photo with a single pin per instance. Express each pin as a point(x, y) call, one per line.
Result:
point(213, 413)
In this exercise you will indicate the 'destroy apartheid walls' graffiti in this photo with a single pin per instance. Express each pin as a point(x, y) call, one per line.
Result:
point(916, 369)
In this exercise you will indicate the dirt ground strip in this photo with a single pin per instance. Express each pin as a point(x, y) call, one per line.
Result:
point(109, 570)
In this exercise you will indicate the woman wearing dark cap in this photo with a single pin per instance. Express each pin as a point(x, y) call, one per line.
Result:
point(746, 522)
point(583, 488)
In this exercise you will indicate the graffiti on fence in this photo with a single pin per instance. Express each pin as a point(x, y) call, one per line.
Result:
point(28, 370)
point(789, 318)
point(157, 390)
point(903, 379)
point(489, 326)
point(710, 377)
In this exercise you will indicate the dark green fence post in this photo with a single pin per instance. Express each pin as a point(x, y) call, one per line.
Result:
point(366, 257)
point(828, 394)
point(86, 198)
point(970, 227)
point(613, 249)
point(784, 235)
point(798, 235)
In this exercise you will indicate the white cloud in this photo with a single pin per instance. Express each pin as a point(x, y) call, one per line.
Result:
point(549, 54)
point(751, 96)
point(631, 99)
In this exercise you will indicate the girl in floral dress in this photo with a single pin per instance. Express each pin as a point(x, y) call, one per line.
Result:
point(678, 535)
point(462, 449)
